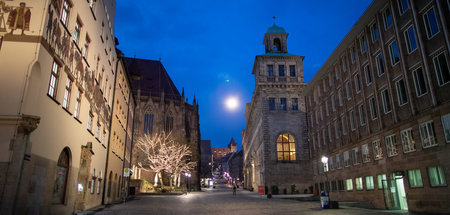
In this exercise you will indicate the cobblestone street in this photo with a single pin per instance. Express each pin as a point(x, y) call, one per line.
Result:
point(221, 201)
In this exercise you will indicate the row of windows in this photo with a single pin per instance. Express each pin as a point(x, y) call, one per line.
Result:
point(427, 139)
point(149, 120)
point(283, 104)
point(436, 178)
point(281, 71)
point(440, 63)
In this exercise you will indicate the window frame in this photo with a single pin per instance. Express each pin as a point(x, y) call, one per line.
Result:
point(407, 35)
point(359, 183)
point(387, 19)
point(427, 24)
point(415, 178)
point(445, 119)
point(394, 51)
point(291, 153)
point(391, 145)
point(357, 83)
point(440, 172)
point(283, 104)
point(380, 64)
point(401, 8)
point(67, 94)
point(65, 12)
point(373, 108)
point(407, 140)
point(417, 85)
point(292, 71)
point(270, 70)
point(365, 152)
point(355, 156)
point(362, 115)
point(374, 32)
point(281, 71)
point(377, 150)
point(367, 75)
point(430, 132)
point(387, 106)
point(52, 90)
point(369, 181)
point(439, 72)
point(401, 99)
point(272, 105)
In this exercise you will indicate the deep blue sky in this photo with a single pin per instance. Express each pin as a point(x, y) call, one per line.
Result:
point(203, 44)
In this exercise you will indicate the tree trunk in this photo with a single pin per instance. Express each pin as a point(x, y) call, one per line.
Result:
point(161, 179)
point(179, 180)
point(170, 181)
point(155, 180)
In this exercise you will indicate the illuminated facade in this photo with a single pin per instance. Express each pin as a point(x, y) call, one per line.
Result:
point(379, 109)
point(58, 62)
point(276, 152)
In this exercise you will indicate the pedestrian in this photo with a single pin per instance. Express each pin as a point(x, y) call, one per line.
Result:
point(234, 190)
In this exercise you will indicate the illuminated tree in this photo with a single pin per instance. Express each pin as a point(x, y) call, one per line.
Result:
point(164, 154)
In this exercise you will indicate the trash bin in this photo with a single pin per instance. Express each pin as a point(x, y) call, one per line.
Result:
point(324, 200)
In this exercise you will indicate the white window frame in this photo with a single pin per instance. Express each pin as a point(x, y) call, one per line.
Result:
point(391, 53)
point(416, 80)
point(363, 44)
point(385, 19)
point(427, 24)
point(357, 83)
point(408, 39)
point(377, 150)
point(446, 127)
point(355, 156)
point(346, 159)
point(380, 64)
point(408, 142)
point(385, 99)
point(372, 32)
point(373, 108)
point(427, 134)
point(399, 96)
point(365, 153)
point(439, 72)
point(359, 183)
point(391, 145)
point(362, 115)
point(367, 75)
point(400, 6)
point(67, 94)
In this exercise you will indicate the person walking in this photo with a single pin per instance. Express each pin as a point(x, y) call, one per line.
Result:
point(234, 190)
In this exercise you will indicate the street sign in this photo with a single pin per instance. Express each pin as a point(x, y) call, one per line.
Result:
point(126, 172)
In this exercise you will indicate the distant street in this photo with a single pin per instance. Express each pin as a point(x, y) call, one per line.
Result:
point(221, 201)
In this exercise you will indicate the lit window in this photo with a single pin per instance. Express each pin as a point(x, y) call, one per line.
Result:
point(437, 177)
point(369, 183)
point(401, 92)
point(415, 178)
point(286, 147)
point(365, 153)
point(382, 181)
point(393, 51)
point(359, 183)
point(419, 82)
point(407, 140)
point(53, 85)
point(441, 68)
point(391, 145)
point(387, 16)
point(377, 151)
point(76, 113)
point(427, 134)
point(386, 101)
point(67, 92)
point(380, 64)
point(349, 184)
point(446, 127)
point(410, 38)
point(431, 24)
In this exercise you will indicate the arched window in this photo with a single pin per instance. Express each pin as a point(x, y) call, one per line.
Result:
point(277, 44)
point(169, 124)
point(286, 147)
point(62, 171)
point(148, 123)
point(109, 184)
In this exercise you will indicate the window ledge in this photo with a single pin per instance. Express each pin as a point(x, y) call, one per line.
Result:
point(67, 111)
point(77, 120)
point(52, 98)
point(98, 140)
point(90, 132)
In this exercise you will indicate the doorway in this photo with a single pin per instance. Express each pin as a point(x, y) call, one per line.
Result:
point(394, 192)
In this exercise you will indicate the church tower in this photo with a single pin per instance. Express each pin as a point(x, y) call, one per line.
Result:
point(276, 152)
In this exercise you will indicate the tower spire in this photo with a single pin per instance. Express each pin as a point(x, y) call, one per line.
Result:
point(273, 20)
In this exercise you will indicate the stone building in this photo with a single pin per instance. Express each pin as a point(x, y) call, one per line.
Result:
point(274, 141)
point(160, 107)
point(235, 167)
point(58, 62)
point(206, 159)
point(232, 145)
point(379, 109)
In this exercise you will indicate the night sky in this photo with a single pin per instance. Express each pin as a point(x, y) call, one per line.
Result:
point(208, 47)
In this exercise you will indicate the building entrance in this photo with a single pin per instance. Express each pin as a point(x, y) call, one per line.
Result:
point(394, 193)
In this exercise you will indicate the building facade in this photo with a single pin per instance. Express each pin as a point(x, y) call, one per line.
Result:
point(58, 62)
point(161, 108)
point(235, 167)
point(206, 163)
point(274, 141)
point(379, 109)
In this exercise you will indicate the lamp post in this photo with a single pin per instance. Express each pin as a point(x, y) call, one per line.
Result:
point(325, 169)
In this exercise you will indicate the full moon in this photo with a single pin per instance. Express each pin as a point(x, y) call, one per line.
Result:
point(231, 103)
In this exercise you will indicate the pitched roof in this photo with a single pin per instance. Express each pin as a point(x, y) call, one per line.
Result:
point(153, 80)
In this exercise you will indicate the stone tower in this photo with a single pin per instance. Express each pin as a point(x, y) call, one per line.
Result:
point(276, 152)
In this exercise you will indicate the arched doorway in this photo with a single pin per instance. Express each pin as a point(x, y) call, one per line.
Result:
point(61, 175)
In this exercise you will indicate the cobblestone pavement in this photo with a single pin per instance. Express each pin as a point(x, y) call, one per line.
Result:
point(221, 201)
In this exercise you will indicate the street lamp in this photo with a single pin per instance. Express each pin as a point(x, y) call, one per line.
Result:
point(325, 169)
